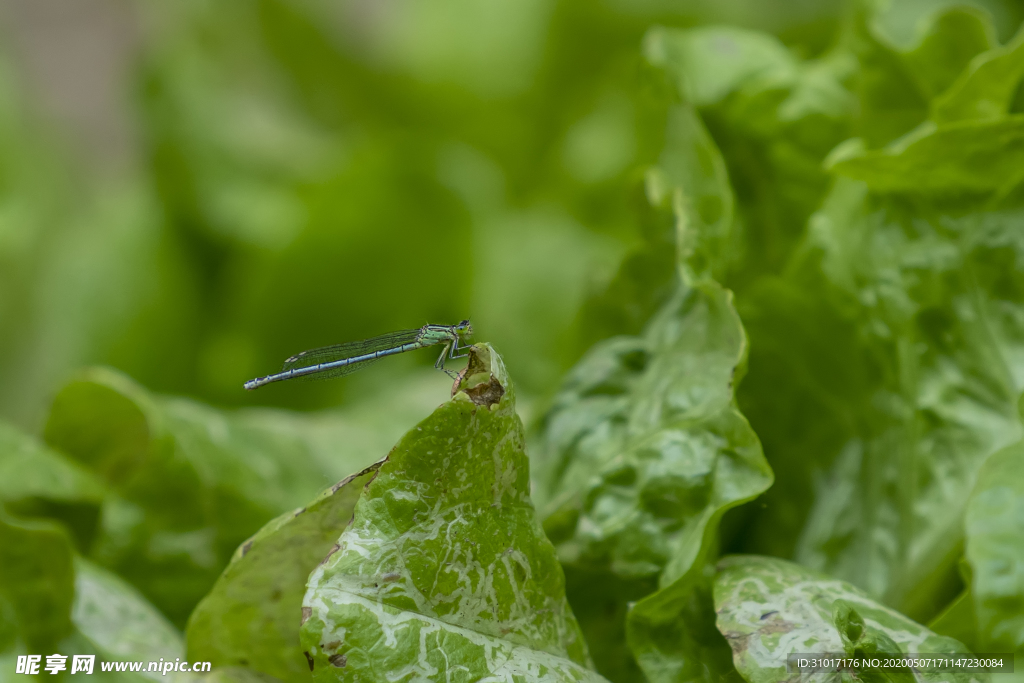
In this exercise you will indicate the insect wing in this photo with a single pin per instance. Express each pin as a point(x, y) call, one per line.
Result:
point(329, 354)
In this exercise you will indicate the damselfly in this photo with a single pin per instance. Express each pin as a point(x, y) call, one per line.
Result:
point(344, 359)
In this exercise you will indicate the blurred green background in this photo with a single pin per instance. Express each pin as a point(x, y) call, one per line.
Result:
point(193, 191)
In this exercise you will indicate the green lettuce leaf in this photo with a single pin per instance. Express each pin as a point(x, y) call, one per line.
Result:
point(644, 451)
point(116, 622)
point(969, 144)
point(710, 63)
point(672, 632)
point(985, 89)
point(691, 176)
point(995, 550)
point(897, 83)
point(444, 570)
point(935, 299)
point(774, 117)
point(250, 620)
point(189, 483)
point(769, 608)
point(948, 40)
point(37, 578)
point(36, 481)
point(968, 157)
point(807, 379)
point(52, 601)
point(958, 70)
point(645, 445)
point(957, 621)
point(28, 469)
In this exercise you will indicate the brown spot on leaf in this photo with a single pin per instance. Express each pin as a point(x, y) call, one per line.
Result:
point(486, 393)
point(333, 645)
point(391, 577)
point(309, 659)
point(307, 612)
point(372, 468)
point(338, 660)
point(775, 626)
point(246, 547)
point(335, 548)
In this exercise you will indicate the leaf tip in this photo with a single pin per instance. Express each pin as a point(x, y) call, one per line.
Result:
point(483, 379)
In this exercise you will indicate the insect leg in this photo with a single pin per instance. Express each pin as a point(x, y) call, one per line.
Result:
point(456, 347)
point(439, 365)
